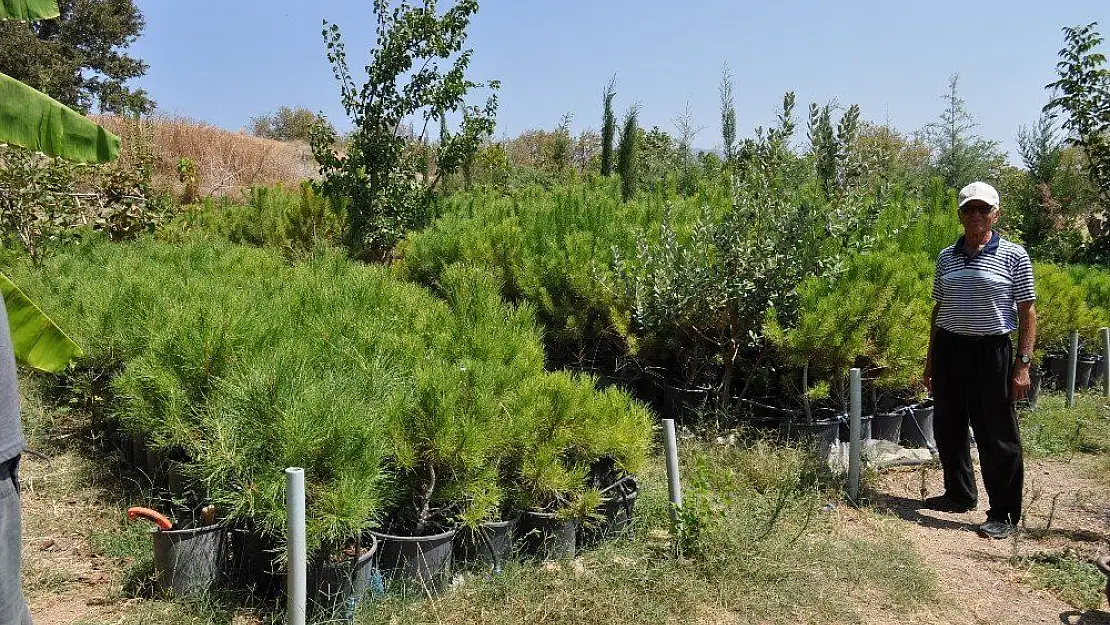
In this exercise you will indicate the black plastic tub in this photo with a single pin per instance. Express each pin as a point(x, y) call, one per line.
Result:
point(820, 436)
point(864, 429)
point(617, 507)
point(337, 586)
point(252, 565)
point(887, 426)
point(490, 543)
point(190, 560)
point(421, 560)
point(545, 536)
point(917, 426)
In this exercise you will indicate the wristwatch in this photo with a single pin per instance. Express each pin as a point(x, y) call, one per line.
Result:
point(1025, 359)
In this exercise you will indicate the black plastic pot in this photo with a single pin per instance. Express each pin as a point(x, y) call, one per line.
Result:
point(422, 560)
point(917, 426)
point(336, 587)
point(864, 429)
point(1099, 372)
point(887, 426)
point(190, 560)
point(252, 565)
point(492, 543)
point(820, 436)
point(1084, 367)
point(615, 511)
point(543, 535)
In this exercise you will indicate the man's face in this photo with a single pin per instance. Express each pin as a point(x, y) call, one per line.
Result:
point(978, 217)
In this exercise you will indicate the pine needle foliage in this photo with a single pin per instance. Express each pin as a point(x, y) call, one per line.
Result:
point(405, 409)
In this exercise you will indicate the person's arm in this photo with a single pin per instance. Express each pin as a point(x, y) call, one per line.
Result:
point(1027, 338)
point(928, 377)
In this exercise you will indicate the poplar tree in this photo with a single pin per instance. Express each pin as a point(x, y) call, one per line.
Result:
point(627, 165)
point(608, 127)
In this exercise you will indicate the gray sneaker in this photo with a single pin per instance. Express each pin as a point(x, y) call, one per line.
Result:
point(997, 529)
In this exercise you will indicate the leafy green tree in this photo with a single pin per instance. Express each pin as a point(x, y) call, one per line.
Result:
point(959, 155)
point(1083, 93)
point(608, 127)
point(561, 146)
point(628, 154)
point(728, 115)
point(287, 124)
point(379, 171)
point(80, 58)
point(832, 149)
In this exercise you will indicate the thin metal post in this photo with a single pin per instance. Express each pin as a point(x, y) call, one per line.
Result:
point(1073, 357)
point(1105, 362)
point(854, 427)
point(296, 585)
point(674, 485)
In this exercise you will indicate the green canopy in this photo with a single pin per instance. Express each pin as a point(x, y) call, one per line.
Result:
point(28, 10)
point(34, 120)
point(38, 343)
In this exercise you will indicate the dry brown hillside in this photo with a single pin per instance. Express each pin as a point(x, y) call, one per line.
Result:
point(226, 161)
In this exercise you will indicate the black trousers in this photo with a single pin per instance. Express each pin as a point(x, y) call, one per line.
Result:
point(971, 386)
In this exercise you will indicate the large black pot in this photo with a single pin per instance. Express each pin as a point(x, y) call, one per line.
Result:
point(1099, 372)
point(252, 565)
point(545, 536)
point(421, 560)
point(864, 429)
point(189, 560)
point(1084, 368)
point(336, 586)
point(917, 426)
point(615, 512)
point(491, 542)
point(887, 426)
point(820, 436)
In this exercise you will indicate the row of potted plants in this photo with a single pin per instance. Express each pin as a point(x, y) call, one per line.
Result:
point(411, 414)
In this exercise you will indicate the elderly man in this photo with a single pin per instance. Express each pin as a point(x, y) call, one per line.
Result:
point(984, 291)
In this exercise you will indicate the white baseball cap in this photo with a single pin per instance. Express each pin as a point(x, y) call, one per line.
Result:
point(978, 191)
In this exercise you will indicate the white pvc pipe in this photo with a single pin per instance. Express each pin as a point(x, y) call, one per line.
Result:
point(296, 580)
point(854, 427)
point(1073, 357)
point(674, 485)
point(1105, 362)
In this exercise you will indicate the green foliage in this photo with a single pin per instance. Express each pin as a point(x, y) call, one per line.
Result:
point(728, 116)
point(959, 155)
point(1054, 429)
point(874, 315)
point(80, 58)
point(295, 222)
point(1083, 93)
point(628, 155)
point(187, 175)
point(832, 150)
point(378, 173)
point(397, 404)
point(1075, 580)
point(1062, 307)
point(288, 124)
point(608, 126)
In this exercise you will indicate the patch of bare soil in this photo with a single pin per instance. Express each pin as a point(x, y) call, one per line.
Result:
point(982, 580)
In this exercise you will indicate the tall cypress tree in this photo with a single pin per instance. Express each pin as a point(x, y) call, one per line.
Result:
point(608, 127)
point(627, 165)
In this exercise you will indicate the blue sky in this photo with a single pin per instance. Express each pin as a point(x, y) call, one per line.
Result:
point(226, 62)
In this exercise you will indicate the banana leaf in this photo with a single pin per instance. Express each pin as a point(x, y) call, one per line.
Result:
point(33, 120)
point(28, 10)
point(38, 343)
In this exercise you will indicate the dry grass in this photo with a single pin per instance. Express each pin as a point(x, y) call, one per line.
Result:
point(226, 161)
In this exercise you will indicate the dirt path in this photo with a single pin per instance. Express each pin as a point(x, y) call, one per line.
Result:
point(977, 578)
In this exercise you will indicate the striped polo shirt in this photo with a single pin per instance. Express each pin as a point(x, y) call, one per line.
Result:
point(979, 295)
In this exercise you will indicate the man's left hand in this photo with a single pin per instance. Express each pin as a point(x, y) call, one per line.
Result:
point(1021, 382)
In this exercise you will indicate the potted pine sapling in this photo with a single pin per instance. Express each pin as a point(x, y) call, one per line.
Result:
point(441, 446)
point(552, 465)
point(616, 430)
point(285, 410)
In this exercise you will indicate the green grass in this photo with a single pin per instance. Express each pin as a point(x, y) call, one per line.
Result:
point(1073, 580)
point(767, 552)
point(1053, 429)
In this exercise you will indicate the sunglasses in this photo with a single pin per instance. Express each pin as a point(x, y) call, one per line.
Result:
point(983, 210)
